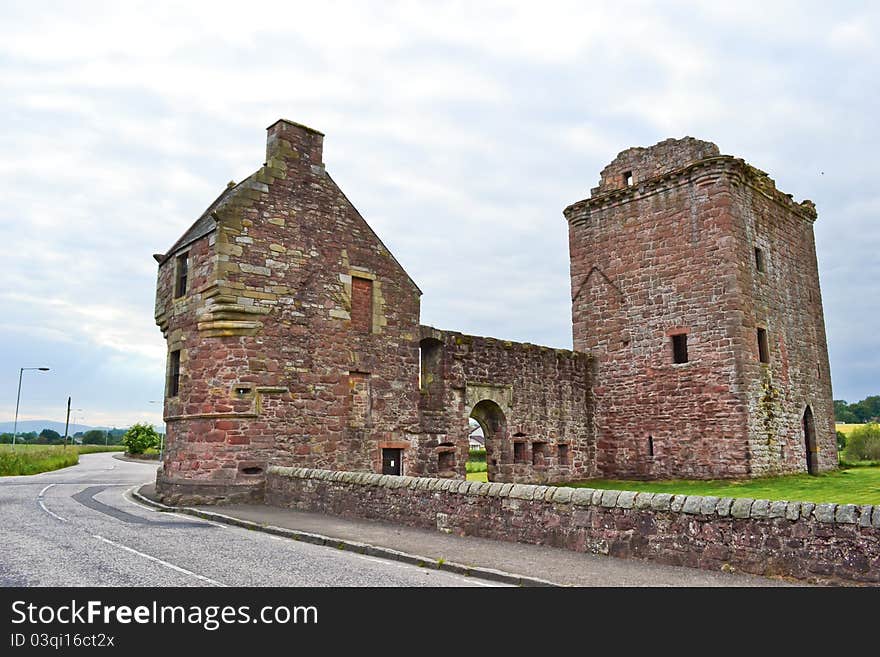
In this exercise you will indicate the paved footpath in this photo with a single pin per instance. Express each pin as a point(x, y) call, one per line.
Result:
point(528, 564)
point(80, 527)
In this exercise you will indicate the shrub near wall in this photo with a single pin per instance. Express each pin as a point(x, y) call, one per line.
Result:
point(824, 542)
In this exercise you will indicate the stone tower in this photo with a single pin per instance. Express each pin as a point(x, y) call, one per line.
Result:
point(695, 286)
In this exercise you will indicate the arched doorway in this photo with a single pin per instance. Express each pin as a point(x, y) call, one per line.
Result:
point(810, 442)
point(494, 425)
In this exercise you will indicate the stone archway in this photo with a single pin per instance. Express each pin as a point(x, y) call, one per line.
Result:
point(812, 448)
point(494, 425)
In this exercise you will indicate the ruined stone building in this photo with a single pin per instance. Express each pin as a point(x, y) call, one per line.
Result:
point(699, 342)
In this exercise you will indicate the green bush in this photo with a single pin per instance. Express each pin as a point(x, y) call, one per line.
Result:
point(139, 438)
point(841, 441)
point(477, 454)
point(863, 443)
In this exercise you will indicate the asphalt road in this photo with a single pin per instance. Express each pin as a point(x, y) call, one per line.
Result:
point(78, 527)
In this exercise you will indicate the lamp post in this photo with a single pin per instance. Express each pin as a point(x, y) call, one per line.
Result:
point(18, 397)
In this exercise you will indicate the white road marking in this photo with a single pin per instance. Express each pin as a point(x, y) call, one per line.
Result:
point(54, 515)
point(213, 582)
point(43, 506)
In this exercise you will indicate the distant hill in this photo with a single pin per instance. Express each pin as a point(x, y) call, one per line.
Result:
point(38, 425)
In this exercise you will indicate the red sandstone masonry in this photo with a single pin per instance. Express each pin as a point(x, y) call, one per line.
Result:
point(520, 393)
point(823, 543)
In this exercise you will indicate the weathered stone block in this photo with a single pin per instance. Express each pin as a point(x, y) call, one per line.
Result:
point(741, 507)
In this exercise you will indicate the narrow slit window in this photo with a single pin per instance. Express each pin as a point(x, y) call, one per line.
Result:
point(650, 445)
point(362, 304)
point(174, 374)
point(628, 178)
point(182, 270)
point(759, 260)
point(763, 346)
point(680, 348)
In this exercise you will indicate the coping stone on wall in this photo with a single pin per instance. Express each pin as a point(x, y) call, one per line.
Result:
point(709, 506)
point(626, 499)
point(846, 514)
point(692, 504)
point(643, 500)
point(741, 507)
point(824, 512)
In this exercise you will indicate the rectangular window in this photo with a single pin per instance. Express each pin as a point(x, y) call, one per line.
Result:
point(182, 271)
point(628, 178)
point(763, 346)
point(519, 452)
point(362, 304)
point(539, 450)
point(174, 374)
point(680, 348)
point(446, 461)
point(562, 450)
point(759, 260)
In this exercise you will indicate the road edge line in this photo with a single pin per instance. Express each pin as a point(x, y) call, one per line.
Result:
point(490, 574)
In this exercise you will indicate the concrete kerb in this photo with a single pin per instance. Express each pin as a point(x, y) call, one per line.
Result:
point(489, 574)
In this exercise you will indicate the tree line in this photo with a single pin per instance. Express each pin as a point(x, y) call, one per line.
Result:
point(52, 437)
point(867, 410)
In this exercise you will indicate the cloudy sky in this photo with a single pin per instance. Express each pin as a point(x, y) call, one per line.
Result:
point(460, 130)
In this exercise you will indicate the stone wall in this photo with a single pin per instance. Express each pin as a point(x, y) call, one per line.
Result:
point(824, 543)
point(533, 403)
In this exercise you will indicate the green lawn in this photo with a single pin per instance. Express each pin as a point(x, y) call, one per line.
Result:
point(851, 485)
point(33, 459)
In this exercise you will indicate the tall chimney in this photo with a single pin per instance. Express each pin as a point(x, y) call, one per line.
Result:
point(290, 141)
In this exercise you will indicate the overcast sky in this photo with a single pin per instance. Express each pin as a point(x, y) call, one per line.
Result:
point(459, 130)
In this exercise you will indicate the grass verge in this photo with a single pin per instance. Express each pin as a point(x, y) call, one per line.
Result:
point(33, 459)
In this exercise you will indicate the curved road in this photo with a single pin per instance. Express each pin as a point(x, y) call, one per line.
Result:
point(79, 527)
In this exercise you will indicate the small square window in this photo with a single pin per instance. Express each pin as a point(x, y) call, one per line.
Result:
point(680, 348)
point(763, 346)
point(519, 452)
point(759, 260)
point(628, 178)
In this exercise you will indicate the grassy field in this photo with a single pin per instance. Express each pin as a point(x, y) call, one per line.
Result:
point(846, 428)
point(33, 459)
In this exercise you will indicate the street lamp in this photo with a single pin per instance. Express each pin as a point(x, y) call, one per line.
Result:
point(18, 397)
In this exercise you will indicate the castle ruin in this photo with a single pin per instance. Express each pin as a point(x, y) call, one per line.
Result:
point(699, 341)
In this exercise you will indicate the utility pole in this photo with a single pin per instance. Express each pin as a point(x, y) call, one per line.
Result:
point(67, 421)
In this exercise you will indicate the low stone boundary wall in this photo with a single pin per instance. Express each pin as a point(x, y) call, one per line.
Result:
point(816, 542)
